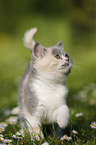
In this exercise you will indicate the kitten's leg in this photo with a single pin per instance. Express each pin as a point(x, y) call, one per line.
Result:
point(61, 116)
point(21, 115)
point(33, 124)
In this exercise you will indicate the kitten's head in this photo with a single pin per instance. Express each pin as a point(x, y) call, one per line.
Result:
point(52, 62)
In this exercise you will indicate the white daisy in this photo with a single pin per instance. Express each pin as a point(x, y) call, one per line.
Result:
point(12, 120)
point(18, 136)
point(2, 129)
point(65, 137)
point(15, 110)
point(7, 141)
point(78, 114)
point(3, 124)
point(19, 133)
point(93, 125)
point(1, 137)
point(74, 132)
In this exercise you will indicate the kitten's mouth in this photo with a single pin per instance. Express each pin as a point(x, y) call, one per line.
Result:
point(66, 67)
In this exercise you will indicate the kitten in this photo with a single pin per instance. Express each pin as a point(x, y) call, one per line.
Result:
point(42, 91)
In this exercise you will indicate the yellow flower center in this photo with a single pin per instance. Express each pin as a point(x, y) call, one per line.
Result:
point(4, 123)
point(12, 117)
point(7, 140)
point(0, 129)
point(19, 133)
point(66, 137)
point(94, 124)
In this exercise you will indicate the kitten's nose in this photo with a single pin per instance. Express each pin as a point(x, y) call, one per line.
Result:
point(67, 57)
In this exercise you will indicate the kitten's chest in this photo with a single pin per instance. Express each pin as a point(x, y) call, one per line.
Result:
point(50, 95)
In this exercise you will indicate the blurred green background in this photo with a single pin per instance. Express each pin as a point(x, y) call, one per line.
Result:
point(72, 21)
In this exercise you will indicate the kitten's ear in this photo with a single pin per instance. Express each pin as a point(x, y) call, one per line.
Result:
point(59, 44)
point(39, 51)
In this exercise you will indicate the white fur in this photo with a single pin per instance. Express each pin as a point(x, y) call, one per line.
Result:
point(33, 124)
point(28, 41)
point(52, 102)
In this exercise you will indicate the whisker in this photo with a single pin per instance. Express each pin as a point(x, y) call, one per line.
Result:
point(81, 70)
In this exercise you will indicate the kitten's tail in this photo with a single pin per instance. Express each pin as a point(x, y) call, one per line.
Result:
point(28, 38)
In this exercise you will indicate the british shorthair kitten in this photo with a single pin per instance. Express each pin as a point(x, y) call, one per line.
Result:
point(42, 91)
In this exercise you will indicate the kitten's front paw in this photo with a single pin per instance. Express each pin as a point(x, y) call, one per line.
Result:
point(38, 134)
point(63, 122)
point(63, 116)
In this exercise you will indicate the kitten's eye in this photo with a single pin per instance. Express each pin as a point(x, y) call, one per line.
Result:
point(57, 56)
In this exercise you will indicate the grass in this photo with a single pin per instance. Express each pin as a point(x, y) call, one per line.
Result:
point(81, 117)
point(81, 82)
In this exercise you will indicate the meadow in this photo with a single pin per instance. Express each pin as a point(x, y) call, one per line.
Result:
point(14, 58)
